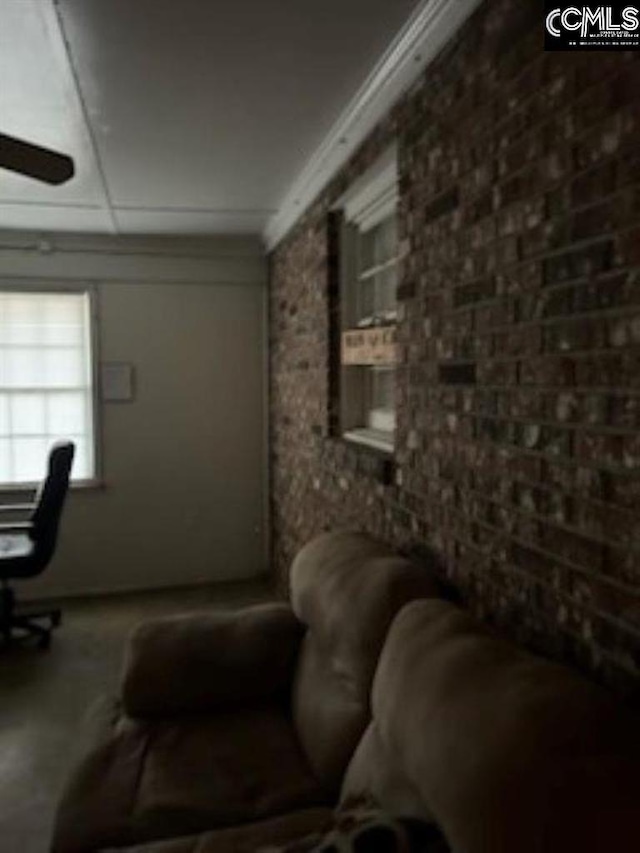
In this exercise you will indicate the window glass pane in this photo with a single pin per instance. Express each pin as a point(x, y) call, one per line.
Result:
point(30, 459)
point(44, 345)
point(367, 300)
point(380, 399)
point(381, 388)
point(382, 420)
point(20, 334)
point(64, 320)
point(4, 415)
point(385, 288)
point(63, 334)
point(28, 414)
point(83, 460)
point(386, 240)
point(38, 318)
point(377, 296)
point(378, 245)
point(20, 319)
point(24, 368)
point(369, 397)
point(5, 461)
point(65, 308)
point(376, 283)
point(64, 368)
point(366, 250)
point(67, 413)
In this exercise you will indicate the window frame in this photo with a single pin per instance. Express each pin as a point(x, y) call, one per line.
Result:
point(14, 284)
point(369, 202)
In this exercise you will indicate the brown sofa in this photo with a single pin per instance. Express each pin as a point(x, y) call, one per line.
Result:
point(241, 732)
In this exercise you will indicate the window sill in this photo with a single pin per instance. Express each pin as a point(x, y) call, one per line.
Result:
point(373, 439)
point(87, 485)
point(78, 485)
point(365, 459)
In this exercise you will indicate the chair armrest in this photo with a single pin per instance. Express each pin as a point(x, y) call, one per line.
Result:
point(205, 662)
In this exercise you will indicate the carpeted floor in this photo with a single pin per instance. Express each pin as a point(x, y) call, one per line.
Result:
point(44, 696)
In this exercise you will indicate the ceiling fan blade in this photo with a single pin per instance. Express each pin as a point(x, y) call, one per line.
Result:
point(36, 162)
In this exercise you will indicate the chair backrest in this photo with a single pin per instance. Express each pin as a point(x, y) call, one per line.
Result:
point(50, 500)
point(346, 588)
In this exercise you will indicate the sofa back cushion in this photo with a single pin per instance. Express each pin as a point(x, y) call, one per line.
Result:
point(346, 588)
point(507, 751)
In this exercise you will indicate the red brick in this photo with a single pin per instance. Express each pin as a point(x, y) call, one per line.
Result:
point(526, 482)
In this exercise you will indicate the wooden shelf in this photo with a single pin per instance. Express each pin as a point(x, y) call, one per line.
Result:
point(375, 345)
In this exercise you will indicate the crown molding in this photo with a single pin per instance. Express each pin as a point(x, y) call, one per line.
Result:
point(429, 28)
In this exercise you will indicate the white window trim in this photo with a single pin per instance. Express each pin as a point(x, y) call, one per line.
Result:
point(374, 195)
point(18, 285)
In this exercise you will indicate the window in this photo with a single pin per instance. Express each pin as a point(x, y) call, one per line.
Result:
point(368, 300)
point(46, 383)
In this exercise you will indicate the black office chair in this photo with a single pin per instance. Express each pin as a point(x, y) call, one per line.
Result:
point(26, 547)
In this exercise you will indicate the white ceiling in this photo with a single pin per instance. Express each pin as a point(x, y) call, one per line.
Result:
point(183, 116)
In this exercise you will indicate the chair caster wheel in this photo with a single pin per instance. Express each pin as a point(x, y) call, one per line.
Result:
point(56, 620)
point(44, 642)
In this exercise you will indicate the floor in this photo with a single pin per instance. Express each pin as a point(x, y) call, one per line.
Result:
point(44, 696)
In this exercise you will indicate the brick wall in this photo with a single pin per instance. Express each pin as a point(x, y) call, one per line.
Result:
point(518, 389)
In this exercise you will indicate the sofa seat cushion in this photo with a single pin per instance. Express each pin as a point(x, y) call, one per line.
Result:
point(164, 779)
point(272, 833)
point(223, 769)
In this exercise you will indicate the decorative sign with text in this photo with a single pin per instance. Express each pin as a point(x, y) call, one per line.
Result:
point(615, 26)
point(376, 345)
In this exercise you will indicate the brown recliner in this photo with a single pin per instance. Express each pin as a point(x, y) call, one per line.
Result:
point(244, 719)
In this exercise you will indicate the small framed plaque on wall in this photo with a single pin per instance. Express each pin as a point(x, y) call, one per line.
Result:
point(117, 382)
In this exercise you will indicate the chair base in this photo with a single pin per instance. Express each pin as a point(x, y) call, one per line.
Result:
point(17, 627)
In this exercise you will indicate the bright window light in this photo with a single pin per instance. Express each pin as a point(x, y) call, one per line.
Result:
point(46, 383)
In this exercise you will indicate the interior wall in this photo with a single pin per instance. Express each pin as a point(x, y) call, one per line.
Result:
point(183, 466)
point(517, 454)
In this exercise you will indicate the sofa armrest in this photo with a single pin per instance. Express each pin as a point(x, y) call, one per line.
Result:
point(205, 662)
